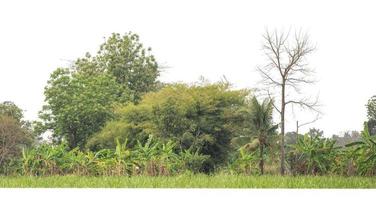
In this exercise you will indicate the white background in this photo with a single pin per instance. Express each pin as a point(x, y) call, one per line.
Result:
point(192, 38)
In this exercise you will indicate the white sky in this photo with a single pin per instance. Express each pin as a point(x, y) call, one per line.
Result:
point(193, 38)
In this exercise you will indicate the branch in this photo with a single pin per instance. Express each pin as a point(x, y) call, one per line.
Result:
point(305, 104)
point(267, 77)
point(275, 47)
point(299, 80)
point(310, 122)
point(270, 97)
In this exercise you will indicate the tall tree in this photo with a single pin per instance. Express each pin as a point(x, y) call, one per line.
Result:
point(285, 71)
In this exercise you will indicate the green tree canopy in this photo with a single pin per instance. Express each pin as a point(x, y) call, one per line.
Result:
point(10, 109)
point(125, 58)
point(78, 105)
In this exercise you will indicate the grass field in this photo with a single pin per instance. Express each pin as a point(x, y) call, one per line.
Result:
point(186, 181)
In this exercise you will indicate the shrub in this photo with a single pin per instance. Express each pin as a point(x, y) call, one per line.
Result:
point(201, 118)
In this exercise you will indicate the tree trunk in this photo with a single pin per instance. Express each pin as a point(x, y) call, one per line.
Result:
point(261, 164)
point(297, 132)
point(72, 139)
point(283, 131)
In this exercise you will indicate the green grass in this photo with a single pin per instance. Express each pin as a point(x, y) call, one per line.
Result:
point(188, 181)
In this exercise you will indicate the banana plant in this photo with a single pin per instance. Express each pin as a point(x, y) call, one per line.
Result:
point(147, 156)
point(190, 160)
point(245, 162)
point(314, 154)
point(123, 158)
point(364, 152)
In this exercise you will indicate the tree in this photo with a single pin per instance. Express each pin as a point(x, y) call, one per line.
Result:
point(125, 58)
point(262, 122)
point(263, 130)
point(315, 132)
point(10, 109)
point(371, 114)
point(285, 71)
point(79, 99)
point(348, 137)
point(78, 105)
point(14, 134)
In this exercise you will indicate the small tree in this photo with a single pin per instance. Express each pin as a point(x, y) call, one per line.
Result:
point(261, 118)
point(262, 131)
point(12, 138)
point(10, 109)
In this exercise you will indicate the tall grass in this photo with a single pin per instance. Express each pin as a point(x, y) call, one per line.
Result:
point(188, 181)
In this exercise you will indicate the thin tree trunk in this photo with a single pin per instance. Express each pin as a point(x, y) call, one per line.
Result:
point(297, 132)
point(72, 140)
point(261, 164)
point(283, 131)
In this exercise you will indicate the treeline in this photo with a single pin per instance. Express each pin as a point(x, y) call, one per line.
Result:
point(109, 115)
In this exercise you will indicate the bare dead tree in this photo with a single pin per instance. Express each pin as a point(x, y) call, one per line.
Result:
point(284, 74)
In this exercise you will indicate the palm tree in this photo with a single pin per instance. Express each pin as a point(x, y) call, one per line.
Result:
point(262, 124)
point(262, 130)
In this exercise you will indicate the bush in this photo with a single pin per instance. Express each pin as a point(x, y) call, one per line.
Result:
point(201, 118)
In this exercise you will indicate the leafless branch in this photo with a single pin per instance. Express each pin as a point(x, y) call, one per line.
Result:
point(317, 117)
point(271, 98)
point(306, 104)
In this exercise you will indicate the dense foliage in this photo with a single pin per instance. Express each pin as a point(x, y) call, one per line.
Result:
point(364, 153)
point(78, 105)
point(80, 100)
point(312, 155)
point(151, 158)
point(124, 58)
point(201, 118)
